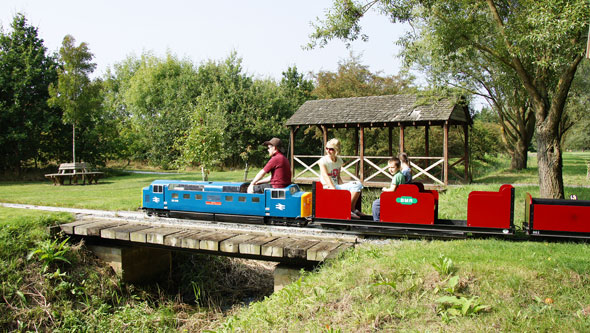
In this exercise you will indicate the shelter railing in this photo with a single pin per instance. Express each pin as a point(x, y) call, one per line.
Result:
point(375, 169)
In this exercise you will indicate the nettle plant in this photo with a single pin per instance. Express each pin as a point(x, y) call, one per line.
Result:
point(50, 252)
point(454, 305)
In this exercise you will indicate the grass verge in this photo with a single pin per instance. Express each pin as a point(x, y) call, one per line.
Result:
point(471, 285)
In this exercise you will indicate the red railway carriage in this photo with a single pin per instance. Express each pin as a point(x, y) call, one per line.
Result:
point(411, 208)
point(330, 204)
point(557, 217)
point(409, 203)
point(487, 209)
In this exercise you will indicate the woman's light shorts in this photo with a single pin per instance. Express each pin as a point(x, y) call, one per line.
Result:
point(350, 186)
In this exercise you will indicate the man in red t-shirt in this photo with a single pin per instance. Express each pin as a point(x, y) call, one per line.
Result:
point(278, 166)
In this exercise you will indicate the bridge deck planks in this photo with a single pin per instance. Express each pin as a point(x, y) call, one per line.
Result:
point(254, 245)
point(122, 232)
point(94, 228)
point(231, 245)
point(211, 240)
point(152, 235)
point(192, 237)
point(299, 248)
point(321, 250)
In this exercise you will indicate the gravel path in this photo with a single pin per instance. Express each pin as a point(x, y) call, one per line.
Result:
point(171, 222)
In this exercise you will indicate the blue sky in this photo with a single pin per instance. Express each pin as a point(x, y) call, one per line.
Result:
point(267, 35)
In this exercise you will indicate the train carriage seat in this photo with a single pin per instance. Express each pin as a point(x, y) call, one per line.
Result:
point(408, 204)
point(433, 192)
point(488, 209)
point(331, 204)
point(557, 216)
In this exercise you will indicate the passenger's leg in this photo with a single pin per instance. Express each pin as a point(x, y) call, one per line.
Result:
point(376, 209)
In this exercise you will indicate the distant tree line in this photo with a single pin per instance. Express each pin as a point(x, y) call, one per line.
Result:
point(173, 113)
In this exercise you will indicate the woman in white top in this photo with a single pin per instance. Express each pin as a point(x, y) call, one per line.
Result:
point(330, 166)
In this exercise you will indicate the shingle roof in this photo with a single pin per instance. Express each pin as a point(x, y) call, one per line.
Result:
point(377, 109)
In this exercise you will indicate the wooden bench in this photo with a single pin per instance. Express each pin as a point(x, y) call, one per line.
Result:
point(74, 171)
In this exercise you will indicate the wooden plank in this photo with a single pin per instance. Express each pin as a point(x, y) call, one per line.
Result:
point(93, 229)
point(341, 248)
point(211, 240)
point(176, 239)
point(276, 247)
point(122, 232)
point(321, 250)
point(68, 228)
point(254, 245)
point(231, 245)
point(299, 249)
point(192, 241)
point(152, 235)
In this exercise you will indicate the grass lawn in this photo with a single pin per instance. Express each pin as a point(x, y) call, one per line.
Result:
point(442, 286)
point(398, 285)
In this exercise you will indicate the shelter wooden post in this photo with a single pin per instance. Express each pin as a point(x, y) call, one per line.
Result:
point(390, 147)
point(426, 141)
point(362, 154)
point(446, 153)
point(356, 149)
point(466, 156)
point(292, 149)
point(324, 137)
point(402, 140)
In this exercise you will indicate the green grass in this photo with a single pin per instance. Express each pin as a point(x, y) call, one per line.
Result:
point(498, 172)
point(122, 192)
point(522, 287)
point(44, 292)
point(398, 286)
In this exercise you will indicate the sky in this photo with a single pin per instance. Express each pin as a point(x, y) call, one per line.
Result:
point(268, 35)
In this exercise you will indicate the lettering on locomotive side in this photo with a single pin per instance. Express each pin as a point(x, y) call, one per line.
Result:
point(215, 203)
point(406, 200)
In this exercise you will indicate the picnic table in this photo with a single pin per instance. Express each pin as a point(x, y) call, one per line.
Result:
point(74, 172)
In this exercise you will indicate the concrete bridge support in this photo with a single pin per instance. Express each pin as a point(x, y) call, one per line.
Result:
point(135, 263)
point(285, 274)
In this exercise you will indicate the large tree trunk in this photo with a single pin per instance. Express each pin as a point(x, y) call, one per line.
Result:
point(550, 164)
point(519, 156)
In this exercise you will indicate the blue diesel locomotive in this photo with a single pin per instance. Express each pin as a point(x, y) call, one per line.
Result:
point(227, 201)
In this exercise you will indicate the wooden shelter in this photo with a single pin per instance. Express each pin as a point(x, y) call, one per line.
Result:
point(360, 113)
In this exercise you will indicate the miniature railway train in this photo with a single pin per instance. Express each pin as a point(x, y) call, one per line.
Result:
point(410, 210)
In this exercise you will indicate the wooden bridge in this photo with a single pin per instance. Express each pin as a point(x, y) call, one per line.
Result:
point(141, 249)
point(249, 244)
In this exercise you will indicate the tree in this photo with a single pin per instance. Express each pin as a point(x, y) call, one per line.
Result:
point(75, 93)
point(158, 95)
point(353, 79)
point(577, 110)
point(477, 75)
point(540, 42)
point(29, 126)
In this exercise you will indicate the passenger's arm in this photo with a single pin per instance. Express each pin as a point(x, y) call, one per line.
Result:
point(257, 180)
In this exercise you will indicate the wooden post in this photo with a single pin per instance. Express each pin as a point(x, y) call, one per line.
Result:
point(356, 149)
point(401, 139)
point(390, 150)
point(325, 137)
point(292, 149)
point(466, 132)
point(362, 154)
point(426, 141)
point(446, 153)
